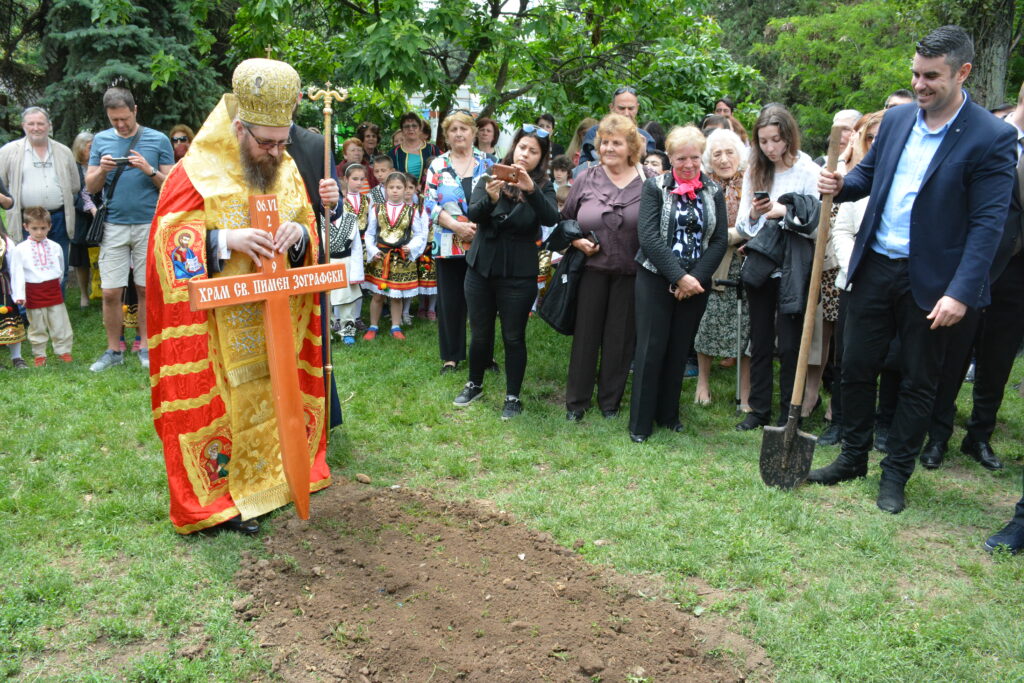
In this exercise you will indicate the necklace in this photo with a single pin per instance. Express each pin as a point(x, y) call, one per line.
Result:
point(468, 167)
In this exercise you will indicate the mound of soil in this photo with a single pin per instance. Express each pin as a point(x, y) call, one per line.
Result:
point(392, 585)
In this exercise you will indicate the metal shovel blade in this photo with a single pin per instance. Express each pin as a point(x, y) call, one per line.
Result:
point(786, 453)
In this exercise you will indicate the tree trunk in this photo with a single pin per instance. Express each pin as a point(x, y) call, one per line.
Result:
point(990, 23)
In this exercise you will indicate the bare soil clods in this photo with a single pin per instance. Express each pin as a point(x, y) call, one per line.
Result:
point(390, 585)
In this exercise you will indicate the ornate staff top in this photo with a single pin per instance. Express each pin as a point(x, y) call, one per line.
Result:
point(328, 96)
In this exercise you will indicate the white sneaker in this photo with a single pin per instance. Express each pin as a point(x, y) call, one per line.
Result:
point(144, 358)
point(108, 360)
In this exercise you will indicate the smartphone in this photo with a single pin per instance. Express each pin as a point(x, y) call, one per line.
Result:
point(120, 161)
point(761, 196)
point(506, 173)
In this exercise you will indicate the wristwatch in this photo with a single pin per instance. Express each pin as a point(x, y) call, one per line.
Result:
point(153, 173)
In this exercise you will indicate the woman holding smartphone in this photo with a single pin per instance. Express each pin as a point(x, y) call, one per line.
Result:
point(502, 276)
point(683, 232)
point(777, 167)
point(605, 200)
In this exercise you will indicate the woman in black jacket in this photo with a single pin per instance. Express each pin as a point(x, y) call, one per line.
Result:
point(501, 279)
point(683, 232)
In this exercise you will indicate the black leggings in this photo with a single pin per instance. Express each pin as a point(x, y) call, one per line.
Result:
point(488, 298)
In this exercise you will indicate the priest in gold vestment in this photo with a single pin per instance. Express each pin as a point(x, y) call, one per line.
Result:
point(211, 393)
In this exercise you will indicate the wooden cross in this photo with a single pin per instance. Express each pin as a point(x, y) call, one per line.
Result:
point(269, 49)
point(274, 284)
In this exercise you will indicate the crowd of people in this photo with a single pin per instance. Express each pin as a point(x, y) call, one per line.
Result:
point(691, 245)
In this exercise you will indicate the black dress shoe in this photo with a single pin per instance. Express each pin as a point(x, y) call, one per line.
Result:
point(637, 438)
point(677, 427)
point(982, 452)
point(1010, 537)
point(831, 436)
point(838, 470)
point(931, 457)
point(249, 527)
point(493, 367)
point(573, 415)
point(751, 421)
point(448, 368)
point(890, 496)
point(609, 414)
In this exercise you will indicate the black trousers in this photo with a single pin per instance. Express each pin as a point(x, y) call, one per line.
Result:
point(881, 306)
point(958, 359)
point(888, 381)
point(605, 327)
point(488, 298)
point(765, 325)
point(1001, 333)
point(665, 328)
point(451, 308)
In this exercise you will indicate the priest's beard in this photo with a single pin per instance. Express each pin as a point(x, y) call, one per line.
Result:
point(259, 173)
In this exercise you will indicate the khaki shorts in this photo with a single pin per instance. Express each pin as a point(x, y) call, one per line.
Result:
point(123, 247)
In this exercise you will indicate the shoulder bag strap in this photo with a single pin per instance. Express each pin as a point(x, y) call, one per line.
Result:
point(120, 169)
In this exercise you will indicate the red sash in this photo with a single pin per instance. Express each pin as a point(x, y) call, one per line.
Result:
point(43, 294)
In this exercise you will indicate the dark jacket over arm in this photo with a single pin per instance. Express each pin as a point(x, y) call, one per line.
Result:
point(658, 248)
point(506, 240)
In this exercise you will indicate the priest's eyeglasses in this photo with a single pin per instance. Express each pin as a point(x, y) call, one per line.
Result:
point(265, 144)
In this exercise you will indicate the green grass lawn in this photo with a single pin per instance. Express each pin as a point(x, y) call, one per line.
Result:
point(95, 581)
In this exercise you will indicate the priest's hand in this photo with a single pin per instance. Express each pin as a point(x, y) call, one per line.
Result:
point(255, 244)
point(329, 192)
point(288, 235)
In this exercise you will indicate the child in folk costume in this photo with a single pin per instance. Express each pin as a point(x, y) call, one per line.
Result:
point(42, 263)
point(396, 235)
point(346, 245)
point(12, 324)
point(425, 263)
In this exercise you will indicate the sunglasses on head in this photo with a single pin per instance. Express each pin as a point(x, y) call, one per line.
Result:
point(624, 89)
point(531, 129)
point(179, 138)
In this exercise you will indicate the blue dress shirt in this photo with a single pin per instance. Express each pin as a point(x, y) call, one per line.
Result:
point(892, 238)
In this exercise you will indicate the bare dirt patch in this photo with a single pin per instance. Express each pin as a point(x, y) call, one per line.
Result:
point(392, 585)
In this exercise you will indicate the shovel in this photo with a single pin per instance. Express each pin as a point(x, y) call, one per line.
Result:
point(787, 452)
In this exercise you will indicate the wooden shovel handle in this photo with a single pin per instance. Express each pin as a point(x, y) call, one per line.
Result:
point(824, 221)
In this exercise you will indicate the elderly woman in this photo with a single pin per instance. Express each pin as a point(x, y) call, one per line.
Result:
point(181, 138)
point(413, 153)
point(502, 276)
point(450, 181)
point(725, 158)
point(85, 209)
point(683, 234)
point(605, 200)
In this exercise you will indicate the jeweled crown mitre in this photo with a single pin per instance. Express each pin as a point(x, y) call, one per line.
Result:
point(267, 91)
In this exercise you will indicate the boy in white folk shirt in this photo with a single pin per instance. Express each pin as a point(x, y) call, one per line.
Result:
point(42, 263)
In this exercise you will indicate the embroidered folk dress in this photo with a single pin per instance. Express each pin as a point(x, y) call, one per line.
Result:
point(391, 227)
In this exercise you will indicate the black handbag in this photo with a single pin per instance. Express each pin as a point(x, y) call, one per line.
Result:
point(94, 235)
point(559, 306)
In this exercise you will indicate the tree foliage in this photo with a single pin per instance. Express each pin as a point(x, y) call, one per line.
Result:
point(563, 56)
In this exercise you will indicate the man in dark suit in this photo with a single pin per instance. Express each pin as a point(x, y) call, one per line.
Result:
point(994, 335)
point(983, 416)
point(307, 150)
point(939, 175)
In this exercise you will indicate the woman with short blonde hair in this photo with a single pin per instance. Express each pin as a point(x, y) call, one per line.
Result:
point(619, 125)
point(605, 200)
point(682, 235)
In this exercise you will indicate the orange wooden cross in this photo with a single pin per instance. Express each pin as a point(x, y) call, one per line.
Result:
point(274, 284)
